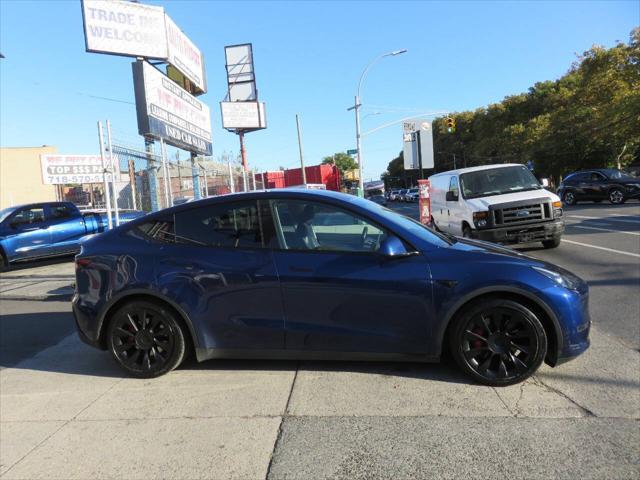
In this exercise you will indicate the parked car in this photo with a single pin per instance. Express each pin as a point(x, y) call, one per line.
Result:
point(379, 199)
point(498, 203)
point(393, 195)
point(401, 194)
point(294, 274)
point(29, 232)
point(412, 195)
point(597, 185)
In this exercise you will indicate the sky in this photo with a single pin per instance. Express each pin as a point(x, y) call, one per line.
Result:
point(308, 58)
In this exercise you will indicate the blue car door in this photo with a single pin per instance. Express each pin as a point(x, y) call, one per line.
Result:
point(66, 226)
point(339, 294)
point(28, 233)
point(219, 271)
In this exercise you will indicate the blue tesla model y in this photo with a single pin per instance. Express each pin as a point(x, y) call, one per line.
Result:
point(309, 274)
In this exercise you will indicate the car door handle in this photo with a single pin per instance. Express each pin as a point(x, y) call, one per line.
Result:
point(301, 269)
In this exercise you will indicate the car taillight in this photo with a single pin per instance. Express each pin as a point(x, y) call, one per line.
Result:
point(82, 262)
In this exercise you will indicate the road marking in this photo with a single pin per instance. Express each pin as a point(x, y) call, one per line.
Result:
point(602, 229)
point(605, 219)
point(601, 248)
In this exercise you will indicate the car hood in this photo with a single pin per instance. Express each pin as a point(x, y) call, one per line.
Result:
point(483, 203)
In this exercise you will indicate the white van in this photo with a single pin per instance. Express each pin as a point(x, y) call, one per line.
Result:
point(498, 203)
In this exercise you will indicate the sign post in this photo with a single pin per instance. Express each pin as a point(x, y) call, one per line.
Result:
point(107, 195)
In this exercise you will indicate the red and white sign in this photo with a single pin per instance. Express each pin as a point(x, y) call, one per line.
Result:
point(70, 169)
point(424, 202)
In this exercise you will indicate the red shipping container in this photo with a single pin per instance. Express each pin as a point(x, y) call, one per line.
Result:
point(325, 174)
point(272, 179)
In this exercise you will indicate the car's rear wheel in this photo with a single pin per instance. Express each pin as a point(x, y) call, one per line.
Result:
point(616, 196)
point(146, 339)
point(569, 198)
point(498, 342)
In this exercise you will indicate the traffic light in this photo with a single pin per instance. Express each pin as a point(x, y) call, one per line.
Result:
point(450, 122)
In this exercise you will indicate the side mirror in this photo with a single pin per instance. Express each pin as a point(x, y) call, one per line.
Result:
point(392, 247)
point(451, 196)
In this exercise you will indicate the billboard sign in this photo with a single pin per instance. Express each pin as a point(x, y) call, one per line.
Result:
point(66, 169)
point(124, 28)
point(184, 55)
point(243, 115)
point(241, 79)
point(417, 137)
point(168, 111)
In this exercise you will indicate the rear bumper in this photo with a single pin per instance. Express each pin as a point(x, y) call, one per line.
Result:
point(532, 232)
point(83, 321)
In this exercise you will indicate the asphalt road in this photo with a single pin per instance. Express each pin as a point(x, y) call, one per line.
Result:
point(601, 244)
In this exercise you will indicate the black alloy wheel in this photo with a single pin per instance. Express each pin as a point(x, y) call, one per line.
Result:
point(498, 342)
point(569, 198)
point(616, 196)
point(146, 339)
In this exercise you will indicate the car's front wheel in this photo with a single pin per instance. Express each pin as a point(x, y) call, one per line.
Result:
point(498, 342)
point(553, 243)
point(616, 196)
point(146, 339)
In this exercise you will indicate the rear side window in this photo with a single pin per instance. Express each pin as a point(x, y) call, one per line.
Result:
point(160, 230)
point(225, 225)
point(61, 211)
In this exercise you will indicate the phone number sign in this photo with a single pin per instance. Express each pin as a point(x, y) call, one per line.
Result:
point(67, 169)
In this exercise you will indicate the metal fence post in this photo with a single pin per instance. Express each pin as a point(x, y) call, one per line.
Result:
point(195, 176)
point(115, 169)
point(151, 171)
point(165, 172)
point(107, 195)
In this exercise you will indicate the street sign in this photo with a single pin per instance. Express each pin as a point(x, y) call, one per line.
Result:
point(417, 137)
point(352, 151)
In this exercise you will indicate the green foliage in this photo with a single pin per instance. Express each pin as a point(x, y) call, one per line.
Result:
point(343, 161)
point(590, 117)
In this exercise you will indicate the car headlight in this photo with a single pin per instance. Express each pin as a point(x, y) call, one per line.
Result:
point(564, 279)
point(557, 209)
point(480, 219)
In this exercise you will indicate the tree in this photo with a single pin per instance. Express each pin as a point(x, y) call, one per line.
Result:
point(343, 161)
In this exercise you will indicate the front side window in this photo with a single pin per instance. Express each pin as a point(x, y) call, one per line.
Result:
point(234, 225)
point(28, 216)
point(305, 225)
point(453, 186)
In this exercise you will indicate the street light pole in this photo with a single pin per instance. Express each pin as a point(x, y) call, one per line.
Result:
point(357, 106)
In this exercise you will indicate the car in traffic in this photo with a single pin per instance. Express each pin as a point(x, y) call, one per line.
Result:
point(401, 194)
point(48, 229)
point(412, 195)
point(393, 195)
point(498, 203)
point(597, 185)
point(299, 274)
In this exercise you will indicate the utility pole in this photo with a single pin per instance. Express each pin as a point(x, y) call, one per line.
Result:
point(304, 173)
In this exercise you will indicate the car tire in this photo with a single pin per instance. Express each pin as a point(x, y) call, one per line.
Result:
point(569, 198)
point(553, 243)
point(616, 196)
point(146, 339)
point(466, 231)
point(497, 342)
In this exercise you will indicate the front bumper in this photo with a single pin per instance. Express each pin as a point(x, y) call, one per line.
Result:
point(531, 232)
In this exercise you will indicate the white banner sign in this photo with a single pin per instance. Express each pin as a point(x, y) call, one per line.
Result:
point(124, 28)
point(68, 169)
point(243, 115)
point(417, 137)
point(167, 111)
point(184, 55)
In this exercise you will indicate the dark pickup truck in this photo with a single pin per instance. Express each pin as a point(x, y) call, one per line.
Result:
point(48, 229)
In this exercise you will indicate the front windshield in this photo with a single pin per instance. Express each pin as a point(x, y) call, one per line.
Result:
point(497, 181)
point(4, 213)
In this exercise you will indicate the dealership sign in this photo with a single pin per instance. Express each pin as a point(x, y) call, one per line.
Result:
point(132, 29)
point(167, 111)
point(65, 169)
point(243, 115)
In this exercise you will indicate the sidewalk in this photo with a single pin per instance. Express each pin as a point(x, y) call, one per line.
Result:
point(49, 282)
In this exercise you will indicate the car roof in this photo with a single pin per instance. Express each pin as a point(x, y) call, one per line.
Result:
point(477, 169)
